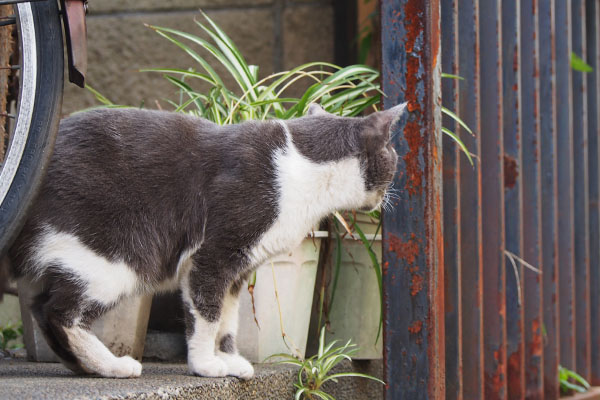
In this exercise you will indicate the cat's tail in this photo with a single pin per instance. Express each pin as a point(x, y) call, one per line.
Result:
point(4, 274)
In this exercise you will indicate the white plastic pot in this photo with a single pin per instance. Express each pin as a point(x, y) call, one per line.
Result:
point(295, 275)
point(355, 311)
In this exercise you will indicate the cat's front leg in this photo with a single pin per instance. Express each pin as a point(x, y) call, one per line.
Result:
point(203, 296)
point(226, 338)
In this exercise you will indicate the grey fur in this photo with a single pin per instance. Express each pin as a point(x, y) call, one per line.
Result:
point(227, 344)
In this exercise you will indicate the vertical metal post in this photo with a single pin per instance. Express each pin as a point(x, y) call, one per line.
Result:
point(532, 235)
point(492, 200)
point(470, 200)
point(452, 212)
point(413, 244)
point(593, 85)
point(549, 187)
point(564, 156)
point(513, 177)
point(581, 216)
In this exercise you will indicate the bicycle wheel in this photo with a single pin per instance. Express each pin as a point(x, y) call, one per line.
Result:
point(32, 128)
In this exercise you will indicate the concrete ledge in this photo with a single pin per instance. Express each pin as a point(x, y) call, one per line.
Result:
point(20, 379)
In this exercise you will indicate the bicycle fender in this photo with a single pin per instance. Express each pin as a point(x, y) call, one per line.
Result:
point(76, 39)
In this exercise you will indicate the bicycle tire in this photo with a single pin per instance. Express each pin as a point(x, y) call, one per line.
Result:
point(38, 113)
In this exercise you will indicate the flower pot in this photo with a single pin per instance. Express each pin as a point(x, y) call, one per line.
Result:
point(355, 311)
point(295, 274)
point(122, 329)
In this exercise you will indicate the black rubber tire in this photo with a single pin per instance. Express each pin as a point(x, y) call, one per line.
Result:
point(44, 121)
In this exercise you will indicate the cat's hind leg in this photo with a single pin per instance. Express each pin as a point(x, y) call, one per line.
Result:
point(64, 319)
point(78, 286)
point(64, 313)
point(226, 347)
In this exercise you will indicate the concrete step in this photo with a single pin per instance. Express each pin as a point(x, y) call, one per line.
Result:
point(20, 379)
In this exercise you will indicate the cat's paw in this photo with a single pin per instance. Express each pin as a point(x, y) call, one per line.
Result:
point(237, 365)
point(123, 367)
point(212, 367)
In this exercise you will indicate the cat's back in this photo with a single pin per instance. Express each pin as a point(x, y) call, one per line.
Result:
point(126, 130)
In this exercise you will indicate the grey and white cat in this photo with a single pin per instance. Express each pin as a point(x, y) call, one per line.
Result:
point(141, 201)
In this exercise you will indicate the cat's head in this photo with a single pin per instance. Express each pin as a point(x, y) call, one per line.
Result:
point(329, 138)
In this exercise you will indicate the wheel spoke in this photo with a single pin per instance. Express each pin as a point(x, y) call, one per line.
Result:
point(11, 20)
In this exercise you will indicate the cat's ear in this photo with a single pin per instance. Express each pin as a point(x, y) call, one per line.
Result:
point(383, 120)
point(315, 109)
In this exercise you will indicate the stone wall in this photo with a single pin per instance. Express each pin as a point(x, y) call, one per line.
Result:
point(273, 34)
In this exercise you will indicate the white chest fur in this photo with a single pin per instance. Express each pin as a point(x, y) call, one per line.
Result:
point(308, 191)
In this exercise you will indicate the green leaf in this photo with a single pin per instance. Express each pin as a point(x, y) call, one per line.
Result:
point(183, 72)
point(452, 76)
point(353, 374)
point(229, 56)
point(571, 386)
point(299, 393)
point(578, 64)
point(321, 342)
point(575, 376)
point(457, 119)
point(459, 142)
point(164, 33)
point(101, 98)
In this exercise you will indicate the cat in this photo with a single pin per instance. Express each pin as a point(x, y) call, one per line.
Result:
point(139, 201)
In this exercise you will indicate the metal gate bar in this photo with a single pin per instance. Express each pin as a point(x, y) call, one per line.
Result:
point(581, 207)
point(492, 200)
point(470, 203)
point(513, 192)
point(531, 202)
point(549, 187)
point(564, 158)
point(593, 84)
point(413, 257)
point(452, 211)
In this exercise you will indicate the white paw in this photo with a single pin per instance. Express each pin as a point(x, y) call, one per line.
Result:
point(123, 367)
point(237, 365)
point(212, 367)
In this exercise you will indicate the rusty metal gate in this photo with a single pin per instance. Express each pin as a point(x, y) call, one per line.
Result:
point(464, 320)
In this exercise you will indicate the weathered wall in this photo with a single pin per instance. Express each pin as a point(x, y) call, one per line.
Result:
point(274, 34)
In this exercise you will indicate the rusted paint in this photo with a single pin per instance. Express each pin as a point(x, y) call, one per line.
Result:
point(496, 380)
point(536, 344)
point(511, 172)
point(416, 284)
point(415, 327)
point(414, 170)
point(407, 251)
point(514, 378)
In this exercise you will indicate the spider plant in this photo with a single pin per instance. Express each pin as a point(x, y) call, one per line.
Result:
point(570, 381)
point(8, 334)
point(315, 371)
point(343, 91)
